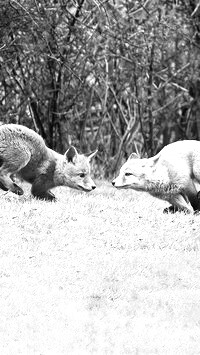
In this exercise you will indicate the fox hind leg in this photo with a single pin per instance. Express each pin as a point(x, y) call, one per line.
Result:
point(2, 187)
point(8, 168)
point(6, 183)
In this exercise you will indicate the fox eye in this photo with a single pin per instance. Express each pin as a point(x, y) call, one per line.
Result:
point(82, 175)
point(128, 174)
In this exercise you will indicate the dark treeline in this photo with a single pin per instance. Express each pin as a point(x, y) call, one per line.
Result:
point(117, 75)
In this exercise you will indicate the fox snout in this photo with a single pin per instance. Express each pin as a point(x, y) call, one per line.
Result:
point(118, 182)
point(86, 187)
point(115, 183)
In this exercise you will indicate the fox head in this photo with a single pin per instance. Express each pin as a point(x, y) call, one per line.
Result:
point(132, 174)
point(77, 170)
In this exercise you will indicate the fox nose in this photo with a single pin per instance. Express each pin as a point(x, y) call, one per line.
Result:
point(113, 183)
point(93, 187)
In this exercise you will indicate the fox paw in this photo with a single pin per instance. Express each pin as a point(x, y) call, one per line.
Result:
point(2, 186)
point(47, 196)
point(50, 197)
point(171, 209)
point(16, 189)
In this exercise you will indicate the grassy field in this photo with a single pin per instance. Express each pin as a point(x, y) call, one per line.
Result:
point(99, 273)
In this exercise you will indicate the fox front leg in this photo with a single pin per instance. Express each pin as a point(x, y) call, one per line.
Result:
point(171, 209)
point(44, 195)
point(40, 189)
point(179, 202)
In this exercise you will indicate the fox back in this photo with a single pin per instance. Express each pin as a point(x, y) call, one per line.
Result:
point(24, 152)
point(172, 175)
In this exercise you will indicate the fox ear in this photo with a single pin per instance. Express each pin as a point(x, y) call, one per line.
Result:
point(134, 156)
point(71, 155)
point(91, 155)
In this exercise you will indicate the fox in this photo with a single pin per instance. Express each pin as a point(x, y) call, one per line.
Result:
point(24, 153)
point(172, 175)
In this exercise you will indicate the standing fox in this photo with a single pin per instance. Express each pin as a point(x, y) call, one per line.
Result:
point(172, 175)
point(24, 152)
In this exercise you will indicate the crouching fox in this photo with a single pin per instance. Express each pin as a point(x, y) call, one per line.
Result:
point(172, 175)
point(23, 152)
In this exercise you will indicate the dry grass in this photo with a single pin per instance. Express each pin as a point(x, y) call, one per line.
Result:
point(99, 273)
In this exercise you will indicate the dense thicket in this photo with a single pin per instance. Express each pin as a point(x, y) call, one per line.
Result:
point(118, 75)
